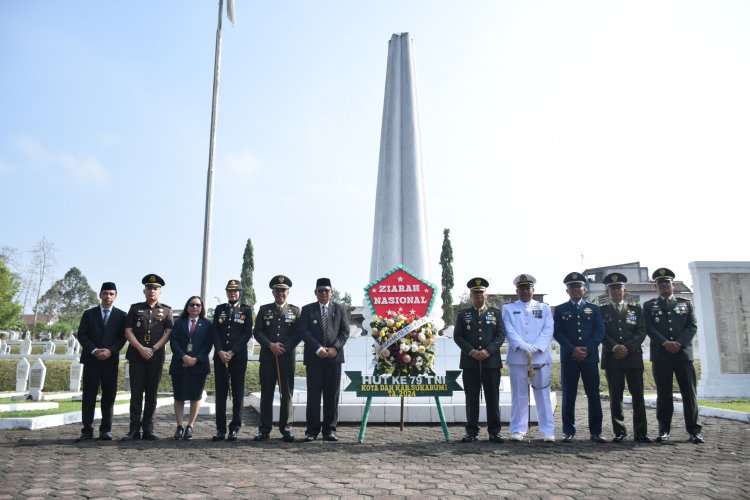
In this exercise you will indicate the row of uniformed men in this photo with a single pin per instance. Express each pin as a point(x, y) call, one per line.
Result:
point(579, 327)
point(279, 327)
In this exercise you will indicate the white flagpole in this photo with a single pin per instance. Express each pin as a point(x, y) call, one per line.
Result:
point(211, 154)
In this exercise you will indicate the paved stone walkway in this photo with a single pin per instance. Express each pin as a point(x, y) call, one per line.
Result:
point(415, 462)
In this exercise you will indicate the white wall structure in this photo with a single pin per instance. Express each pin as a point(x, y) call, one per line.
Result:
point(722, 304)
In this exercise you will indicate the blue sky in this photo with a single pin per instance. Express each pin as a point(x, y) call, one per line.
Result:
point(550, 130)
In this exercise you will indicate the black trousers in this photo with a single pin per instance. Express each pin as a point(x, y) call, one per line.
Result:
point(268, 385)
point(323, 379)
point(684, 371)
point(145, 376)
point(616, 378)
point(223, 376)
point(96, 373)
point(488, 381)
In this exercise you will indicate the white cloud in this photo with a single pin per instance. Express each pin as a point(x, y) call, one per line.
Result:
point(76, 168)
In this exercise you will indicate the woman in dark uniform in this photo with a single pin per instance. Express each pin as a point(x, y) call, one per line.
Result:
point(191, 343)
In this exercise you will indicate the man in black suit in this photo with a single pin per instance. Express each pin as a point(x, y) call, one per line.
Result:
point(622, 357)
point(324, 326)
point(480, 332)
point(101, 333)
point(274, 330)
point(231, 331)
point(671, 326)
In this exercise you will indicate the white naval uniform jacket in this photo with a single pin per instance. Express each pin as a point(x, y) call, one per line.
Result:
point(529, 322)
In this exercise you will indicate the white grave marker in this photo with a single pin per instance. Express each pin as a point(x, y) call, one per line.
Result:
point(76, 373)
point(126, 378)
point(25, 347)
point(49, 348)
point(22, 375)
point(70, 348)
point(36, 379)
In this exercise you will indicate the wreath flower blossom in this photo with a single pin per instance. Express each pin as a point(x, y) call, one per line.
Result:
point(413, 354)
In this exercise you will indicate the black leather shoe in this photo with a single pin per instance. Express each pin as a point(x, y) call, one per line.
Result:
point(150, 436)
point(131, 436)
point(188, 434)
point(662, 437)
point(218, 436)
point(469, 438)
point(232, 435)
point(287, 436)
point(178, 433)
point(495, 438)
point(261, 436)
point(310, 437)
point(696, 439)
point(105, 436)
point(597, 438)
point(85, 436)
point(643, 439)
point(330, 437)
point(568, 438)
point(619, 438)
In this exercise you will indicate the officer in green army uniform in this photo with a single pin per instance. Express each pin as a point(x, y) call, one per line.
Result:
point(231, 331)
point(147, 329)
point(274, 330)
point(671, 326)
point(622, 358)
point(480, 332)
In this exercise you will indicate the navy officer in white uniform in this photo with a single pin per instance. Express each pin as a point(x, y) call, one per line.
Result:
point(528, 328)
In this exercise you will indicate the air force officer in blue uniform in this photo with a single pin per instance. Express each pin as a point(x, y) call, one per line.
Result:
point(579, 329)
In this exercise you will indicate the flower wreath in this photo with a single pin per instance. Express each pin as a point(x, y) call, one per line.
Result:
point(404, 344)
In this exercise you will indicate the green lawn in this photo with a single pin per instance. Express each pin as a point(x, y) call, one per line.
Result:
point(64, 407)
point(743, 405)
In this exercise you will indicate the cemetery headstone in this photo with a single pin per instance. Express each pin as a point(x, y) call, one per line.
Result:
point(37, 375)
point(22, 375)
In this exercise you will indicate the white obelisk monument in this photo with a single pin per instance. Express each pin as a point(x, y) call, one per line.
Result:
point(400, 230)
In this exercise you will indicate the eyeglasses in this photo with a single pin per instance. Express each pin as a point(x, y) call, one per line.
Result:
point(196, 305)
point(323, 290)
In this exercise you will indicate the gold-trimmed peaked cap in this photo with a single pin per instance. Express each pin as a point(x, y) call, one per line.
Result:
point(524, 280)
point(663, 274)
point(280, 281)
point(153, 281)
point(479, 284)
point(615, 279)
point(233, 285)
point(574, 277)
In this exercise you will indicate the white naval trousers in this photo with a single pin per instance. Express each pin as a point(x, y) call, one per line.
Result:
point(519, 392)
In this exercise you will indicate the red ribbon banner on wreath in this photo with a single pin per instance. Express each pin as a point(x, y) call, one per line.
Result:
point(402, 292)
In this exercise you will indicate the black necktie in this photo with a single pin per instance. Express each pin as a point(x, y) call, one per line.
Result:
point(324, 324)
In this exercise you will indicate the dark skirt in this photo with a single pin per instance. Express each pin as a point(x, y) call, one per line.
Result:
point(188, 386)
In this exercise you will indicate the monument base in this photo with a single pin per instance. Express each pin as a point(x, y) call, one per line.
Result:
point(388, 410)
point(724, 386)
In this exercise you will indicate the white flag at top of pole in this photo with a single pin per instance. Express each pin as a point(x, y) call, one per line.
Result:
point(230, 12)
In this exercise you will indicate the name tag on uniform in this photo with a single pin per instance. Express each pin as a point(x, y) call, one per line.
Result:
point(190, 347)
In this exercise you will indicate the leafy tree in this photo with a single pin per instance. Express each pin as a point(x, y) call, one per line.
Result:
point(446, 263)
point(67, 298)
point(246, 276)
point(10, 311)
point(344, 299)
